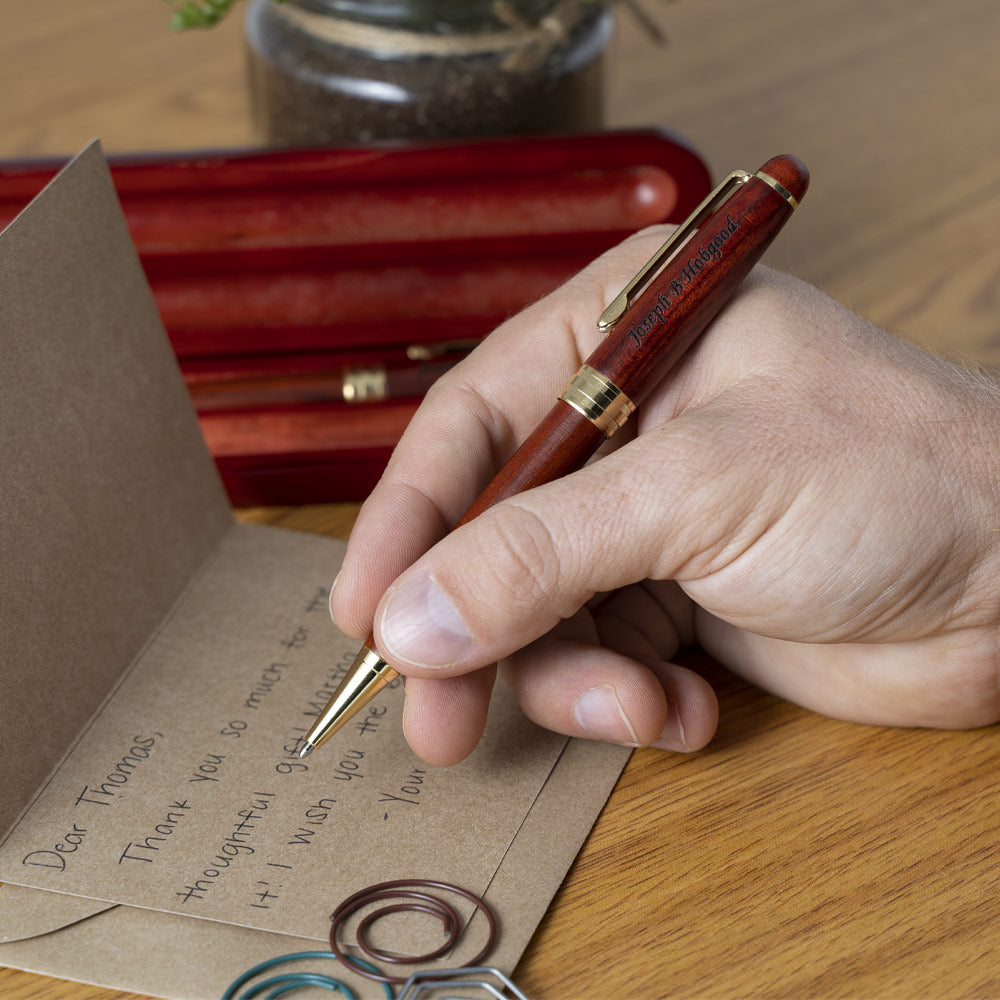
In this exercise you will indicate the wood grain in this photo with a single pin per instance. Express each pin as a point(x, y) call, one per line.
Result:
point(796, 856)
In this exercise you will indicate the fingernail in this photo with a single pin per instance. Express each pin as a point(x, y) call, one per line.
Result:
point(672, 737)
point(599, 711)
point(333, 586)
point(420, 625)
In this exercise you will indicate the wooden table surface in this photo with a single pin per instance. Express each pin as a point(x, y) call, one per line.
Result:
point(796, 856)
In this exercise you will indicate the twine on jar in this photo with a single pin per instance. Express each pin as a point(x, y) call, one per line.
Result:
point(526, 46)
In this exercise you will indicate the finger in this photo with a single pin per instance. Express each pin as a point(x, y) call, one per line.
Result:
point(444, 719)
point(569, 682)
point(692, 708)
point(471, 421)
point(648, 621)
point(592, 692)
point(580, 689)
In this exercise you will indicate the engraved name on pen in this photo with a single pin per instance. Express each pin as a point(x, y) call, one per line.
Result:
point(710, 250)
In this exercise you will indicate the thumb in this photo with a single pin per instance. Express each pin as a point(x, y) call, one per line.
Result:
point(506, 578)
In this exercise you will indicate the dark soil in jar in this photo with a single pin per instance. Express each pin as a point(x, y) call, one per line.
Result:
point(306, 91)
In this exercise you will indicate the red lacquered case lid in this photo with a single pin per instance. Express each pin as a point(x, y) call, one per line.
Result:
point(278, 274)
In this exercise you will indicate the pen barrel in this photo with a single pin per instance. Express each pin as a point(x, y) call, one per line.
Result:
point(559, 445)
point(680, 302)
point(359, 384)
point(660, 325)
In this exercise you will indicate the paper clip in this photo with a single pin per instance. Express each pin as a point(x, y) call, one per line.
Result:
point(288, 981)
point(426, 981)
point(418, 901)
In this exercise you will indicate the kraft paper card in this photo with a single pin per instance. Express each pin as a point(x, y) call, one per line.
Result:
point(162, 663)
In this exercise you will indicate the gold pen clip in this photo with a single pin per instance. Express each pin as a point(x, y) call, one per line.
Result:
point(662, 257)
point(427, 352)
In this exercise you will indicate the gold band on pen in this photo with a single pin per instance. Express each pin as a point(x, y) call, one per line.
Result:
point(598, 399)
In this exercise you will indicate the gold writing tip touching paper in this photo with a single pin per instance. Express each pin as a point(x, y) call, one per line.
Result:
point(163, 663)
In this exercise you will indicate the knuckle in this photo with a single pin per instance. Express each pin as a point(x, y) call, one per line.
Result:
point(455, 420)
point(522, 558)
point(494, 425)
point(607, 275)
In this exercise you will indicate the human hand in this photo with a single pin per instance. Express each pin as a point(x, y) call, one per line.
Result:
point(809, 498)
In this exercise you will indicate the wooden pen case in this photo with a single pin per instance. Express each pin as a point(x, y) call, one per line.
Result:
point(274, 270)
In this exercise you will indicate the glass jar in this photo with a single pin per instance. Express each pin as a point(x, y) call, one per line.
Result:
point(329, 72)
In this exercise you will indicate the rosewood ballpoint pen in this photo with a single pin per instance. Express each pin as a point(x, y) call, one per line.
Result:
point(647, 328)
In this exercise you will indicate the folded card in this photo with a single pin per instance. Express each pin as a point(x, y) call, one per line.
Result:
point(163, 661)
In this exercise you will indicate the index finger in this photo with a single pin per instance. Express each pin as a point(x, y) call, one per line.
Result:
point(469, 424)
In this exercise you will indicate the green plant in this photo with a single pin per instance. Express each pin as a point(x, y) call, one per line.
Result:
point(200, 13)
point(205, 13)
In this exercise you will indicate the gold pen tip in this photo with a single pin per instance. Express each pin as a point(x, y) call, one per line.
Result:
point(307, 748)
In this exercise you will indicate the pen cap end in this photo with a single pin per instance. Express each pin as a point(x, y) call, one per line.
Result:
point(790, 172)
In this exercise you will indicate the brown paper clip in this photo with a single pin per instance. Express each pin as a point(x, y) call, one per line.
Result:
point(419, 899)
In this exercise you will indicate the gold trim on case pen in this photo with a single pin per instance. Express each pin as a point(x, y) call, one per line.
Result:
point(363, 385)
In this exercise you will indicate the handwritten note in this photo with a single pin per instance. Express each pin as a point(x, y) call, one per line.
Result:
point(187, 794)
